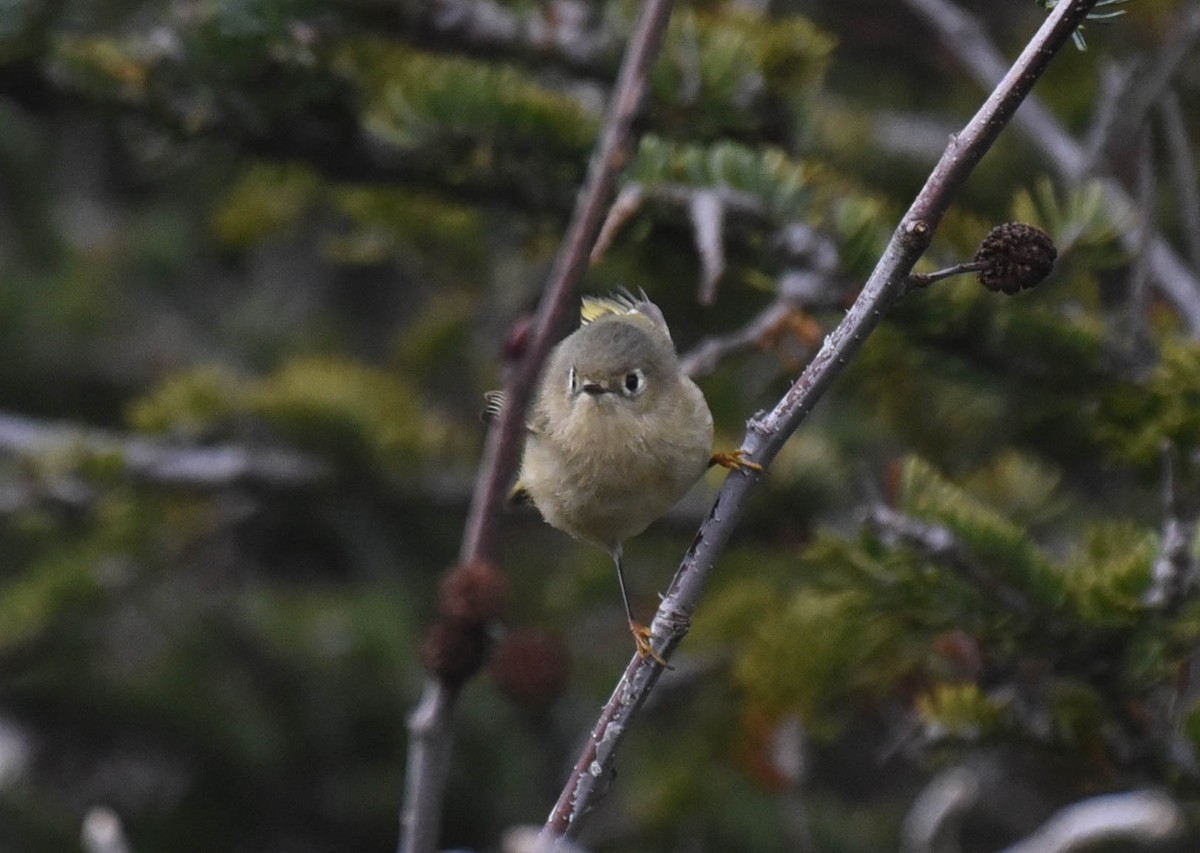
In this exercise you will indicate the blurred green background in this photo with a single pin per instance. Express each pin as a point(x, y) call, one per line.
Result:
point(259, 261)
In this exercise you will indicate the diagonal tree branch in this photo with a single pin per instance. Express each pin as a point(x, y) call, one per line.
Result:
point(964, 36)
point(430, 725)
point(767, 433)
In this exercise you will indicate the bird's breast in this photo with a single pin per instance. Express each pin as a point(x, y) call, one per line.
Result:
point(605, 472)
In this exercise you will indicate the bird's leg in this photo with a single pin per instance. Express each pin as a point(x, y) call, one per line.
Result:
point(732, 459)
point(641, 634)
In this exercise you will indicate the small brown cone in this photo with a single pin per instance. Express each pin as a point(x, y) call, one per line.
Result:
point(1016, 257)
point(471, 597)
point(531, 667)
point(475, 591)
point(454, 650)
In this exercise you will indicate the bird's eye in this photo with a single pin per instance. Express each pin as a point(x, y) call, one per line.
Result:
point(634, 381)
point(573, 381)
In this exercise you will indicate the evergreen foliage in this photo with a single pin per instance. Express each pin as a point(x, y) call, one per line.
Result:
point(316, 231)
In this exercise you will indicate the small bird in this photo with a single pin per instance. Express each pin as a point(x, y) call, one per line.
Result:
point(617, 433)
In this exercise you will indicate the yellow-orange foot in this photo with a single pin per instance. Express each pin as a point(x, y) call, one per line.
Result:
point(641, 636)
point(733, 461)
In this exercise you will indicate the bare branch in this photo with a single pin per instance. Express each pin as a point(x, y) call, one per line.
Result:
point(964, 36)
point(797, 290)
point(431, 731)
point(707, 212)
point(1174, 573)
point(938, 808)
point(1184, 177)
point(526, 839)
point(613, 150)
point(1133, 816)
point(565, 31)
point(102, 832)
point(704, 358)
point(163, 462)
point(1138, 300)
point(430, 738)
point(629, 201)
point(706, 208)
point(768, 433)
point(941, 545)
point(1146, 85)
point(1113, 79)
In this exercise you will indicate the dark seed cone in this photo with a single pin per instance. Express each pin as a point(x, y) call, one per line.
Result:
point(531, 667)
point(471, 597)
point(1016, 257)
point(473, 591)
point(454, 650)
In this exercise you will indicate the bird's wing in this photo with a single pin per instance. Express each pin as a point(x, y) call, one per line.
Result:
point(493, 405)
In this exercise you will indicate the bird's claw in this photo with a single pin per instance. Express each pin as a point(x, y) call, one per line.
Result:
point(641, 637)
point(734, 460)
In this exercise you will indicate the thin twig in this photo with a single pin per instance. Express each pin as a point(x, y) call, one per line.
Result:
point(1183, 173)
point(704, 357)
point(1113, 79)
point(943, 546)
point(1146, 85)
point(1174, 568)
point(927, 278)
point(629, 201)
point(811, 284)
point(1138, 301)
point(966, 39)
point(161, 461)
point(938, 809)
point(707, 212)
point(768, 433)
point(706, 208)
point(102, 832)
point(581, 41)
point(430, 729)
point(1133, 816)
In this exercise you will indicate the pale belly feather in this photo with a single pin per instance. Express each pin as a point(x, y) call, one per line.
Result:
point(613, 485)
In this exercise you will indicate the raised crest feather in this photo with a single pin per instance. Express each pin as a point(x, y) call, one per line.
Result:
point(623, 304)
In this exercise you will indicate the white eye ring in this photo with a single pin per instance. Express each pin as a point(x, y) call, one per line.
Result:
point(572, 381)
point(634, 382)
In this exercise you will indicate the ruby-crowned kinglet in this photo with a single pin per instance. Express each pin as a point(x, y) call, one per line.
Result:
point(617, 433)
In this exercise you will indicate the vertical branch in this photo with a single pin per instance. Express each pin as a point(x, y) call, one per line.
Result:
point(103, 832)
point(431, 724)
point(1150, 80)
point(430, 740)
point(613, 151)
point(767, 434)
point(1139, 273)
point(1183, 170)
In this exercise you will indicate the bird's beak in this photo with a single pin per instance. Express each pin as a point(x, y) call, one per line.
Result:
point(593, 389)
